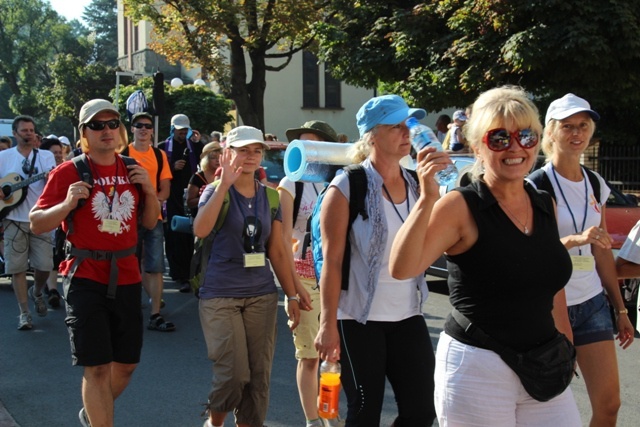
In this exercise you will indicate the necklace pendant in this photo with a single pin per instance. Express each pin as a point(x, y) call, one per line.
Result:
point(526, 230)
point(249, 205)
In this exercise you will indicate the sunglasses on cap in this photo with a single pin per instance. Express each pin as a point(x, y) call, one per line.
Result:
point(98, 125)
point(142, 125)
point(500, 139)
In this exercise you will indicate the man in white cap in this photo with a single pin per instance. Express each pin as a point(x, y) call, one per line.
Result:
point(102, 276)
point(22, 248)
point(183, 150)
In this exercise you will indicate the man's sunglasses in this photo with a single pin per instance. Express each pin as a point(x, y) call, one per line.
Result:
point(500, 139)
point(142, 125)
point(98, 125)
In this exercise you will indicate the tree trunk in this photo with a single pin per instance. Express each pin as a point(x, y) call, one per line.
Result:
point(248, 97)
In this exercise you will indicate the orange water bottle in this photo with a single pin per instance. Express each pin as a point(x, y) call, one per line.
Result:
point(329, 397)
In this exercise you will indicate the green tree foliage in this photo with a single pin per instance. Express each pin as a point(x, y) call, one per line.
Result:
point(28, 29)
point(102, 17)
point(32, 36)
point(444, 53)
point(73, 83)
point(206, 110)
point(236, 42)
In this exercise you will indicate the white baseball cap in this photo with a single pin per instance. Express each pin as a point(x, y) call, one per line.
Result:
point(569, 105)
point(93, 107)
point(245, 135)
point(64, 140)
point(180, 121)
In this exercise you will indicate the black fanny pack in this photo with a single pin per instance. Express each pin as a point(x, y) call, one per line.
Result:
point(545, 371)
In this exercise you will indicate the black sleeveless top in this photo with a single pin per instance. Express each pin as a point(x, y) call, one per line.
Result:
point(505, 283)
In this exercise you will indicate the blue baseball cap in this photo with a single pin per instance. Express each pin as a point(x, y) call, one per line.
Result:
point(385, 110)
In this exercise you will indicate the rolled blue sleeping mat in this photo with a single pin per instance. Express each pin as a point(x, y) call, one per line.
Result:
point(315, 161)
point(182, 224)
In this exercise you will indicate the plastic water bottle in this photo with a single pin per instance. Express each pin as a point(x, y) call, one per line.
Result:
point(329, 397)
point(421, 136)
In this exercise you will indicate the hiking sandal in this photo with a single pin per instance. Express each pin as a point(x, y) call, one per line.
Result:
point(159, 324)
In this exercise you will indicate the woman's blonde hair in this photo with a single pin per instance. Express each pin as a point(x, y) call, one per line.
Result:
point(498, 107)
point(362, 148)
point(548, 138)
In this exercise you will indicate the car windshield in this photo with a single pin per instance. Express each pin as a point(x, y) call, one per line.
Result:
point(273, 164)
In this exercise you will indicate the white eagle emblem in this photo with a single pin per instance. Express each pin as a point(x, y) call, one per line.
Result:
point(121, 210)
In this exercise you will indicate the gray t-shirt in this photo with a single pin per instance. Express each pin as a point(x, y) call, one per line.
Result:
point(226, 276)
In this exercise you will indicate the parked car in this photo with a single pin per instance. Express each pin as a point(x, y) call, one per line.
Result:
point(273, 162)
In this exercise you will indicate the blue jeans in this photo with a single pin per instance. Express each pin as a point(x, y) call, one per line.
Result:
point(591, 321)
point(150, 248)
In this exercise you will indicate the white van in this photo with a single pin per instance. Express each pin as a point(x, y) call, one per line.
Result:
point(5, 129)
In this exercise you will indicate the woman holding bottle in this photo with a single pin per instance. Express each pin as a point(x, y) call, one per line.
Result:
point(376, 327)
point(507, 268)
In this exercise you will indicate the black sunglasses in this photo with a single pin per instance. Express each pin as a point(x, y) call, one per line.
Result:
point(500, 139)
point(142, 125)
point(98, 125)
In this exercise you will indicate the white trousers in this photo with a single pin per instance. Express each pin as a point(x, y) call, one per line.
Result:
point(474, 387)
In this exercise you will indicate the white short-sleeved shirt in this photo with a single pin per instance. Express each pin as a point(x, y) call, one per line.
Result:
point(583, 285)
point(11, 161)
point(310, 193)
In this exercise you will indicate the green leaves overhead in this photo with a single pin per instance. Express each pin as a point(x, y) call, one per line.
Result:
point(442, 54)
point(235, 42)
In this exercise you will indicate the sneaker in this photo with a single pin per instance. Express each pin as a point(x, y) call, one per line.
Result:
point(41, 307)
point(82, 416)
point(24, 324)
point(54, 298)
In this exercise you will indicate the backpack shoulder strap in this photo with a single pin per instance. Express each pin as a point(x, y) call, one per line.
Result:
point(594, 181)
point(542, 182)
point(224, 209)
point(274, 201)
point(84, 172)
point(357, 206)
point(158, 154)
point(298, 199)
point(357, 192)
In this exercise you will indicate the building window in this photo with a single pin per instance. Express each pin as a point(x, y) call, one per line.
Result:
point(310, 81)
point(136, 38)
point(126, 36)
point(332, 95)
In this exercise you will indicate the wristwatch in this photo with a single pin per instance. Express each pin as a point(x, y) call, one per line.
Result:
point(293, 298)
point(623, 311)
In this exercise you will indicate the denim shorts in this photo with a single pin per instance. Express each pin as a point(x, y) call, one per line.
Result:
point(591, 321)
point(151, 248)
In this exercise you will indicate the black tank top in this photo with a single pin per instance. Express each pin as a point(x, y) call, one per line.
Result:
point(505, 283)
